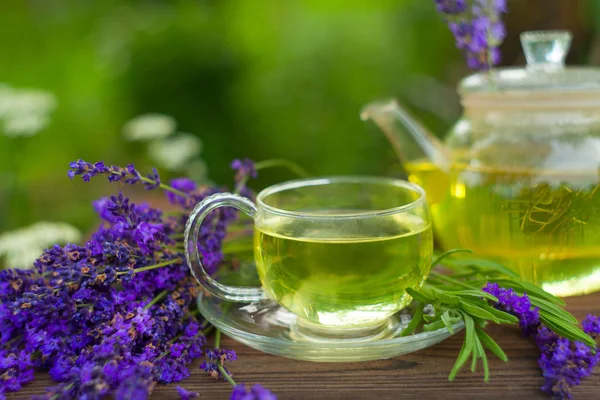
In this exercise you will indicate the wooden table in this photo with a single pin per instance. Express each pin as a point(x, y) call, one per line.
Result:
point(421, 375)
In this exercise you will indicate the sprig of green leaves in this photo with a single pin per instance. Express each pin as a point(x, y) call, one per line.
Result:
point(454, 289)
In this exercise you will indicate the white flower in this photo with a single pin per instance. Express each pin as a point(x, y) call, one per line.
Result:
point(25, 112)
point(149, 126)
point(25, 125)
point(174, 153)
point(21, 247)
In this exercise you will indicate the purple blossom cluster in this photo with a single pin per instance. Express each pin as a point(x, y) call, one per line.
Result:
point(478, 30)
point(245, 169)
point(564, 363)
point(519, 306)
point(116, 316)
point(214, 358)
point(256, 392)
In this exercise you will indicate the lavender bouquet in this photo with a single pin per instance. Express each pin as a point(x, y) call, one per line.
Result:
point(116, 316)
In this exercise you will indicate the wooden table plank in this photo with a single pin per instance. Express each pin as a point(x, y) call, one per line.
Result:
point(418, 375)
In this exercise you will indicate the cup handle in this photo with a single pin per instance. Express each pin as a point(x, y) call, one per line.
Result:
point(192, 228)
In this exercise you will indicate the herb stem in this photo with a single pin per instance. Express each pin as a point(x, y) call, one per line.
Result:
point(160, 185)
point(158, 298)
point(165, 187)
point(222, 370)
point(447, 279)
point(282, 162)
point(153, 266)
point(207, 330)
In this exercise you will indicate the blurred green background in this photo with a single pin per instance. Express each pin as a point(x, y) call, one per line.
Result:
point(256, 78)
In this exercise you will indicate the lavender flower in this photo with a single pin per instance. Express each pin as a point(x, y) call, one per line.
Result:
point(519, 306)
point(182, 184)
point(257, 392)
point(153, 180)
point(186, 394)
point(591, 325)
point(245, 169)
point(451, 6)
point(221, 354)
point(478, 32)
point(114, 173)
point(117, 316)
point(564, 363)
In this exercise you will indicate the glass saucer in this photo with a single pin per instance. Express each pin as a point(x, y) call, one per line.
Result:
point(268, 327)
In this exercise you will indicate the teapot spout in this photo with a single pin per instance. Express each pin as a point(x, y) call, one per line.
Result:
point(409, 139)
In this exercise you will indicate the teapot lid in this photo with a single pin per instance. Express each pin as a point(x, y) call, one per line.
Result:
point(544, 75)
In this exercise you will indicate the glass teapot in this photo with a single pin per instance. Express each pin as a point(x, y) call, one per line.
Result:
point(518, 176)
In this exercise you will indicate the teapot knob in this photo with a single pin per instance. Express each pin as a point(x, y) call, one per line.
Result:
point(546, 50)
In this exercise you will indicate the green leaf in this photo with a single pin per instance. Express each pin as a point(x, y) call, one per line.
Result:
point(554, 310)
point(568, 331)
point(430, 318)
point(474, 358)
point(481, 265)
point(477, 294)
point(466, 348)
point(448, 253)
point(434, 326)
point(491, 345)
point(476, 311)
point(446, 320)
point(415, 321)
point(554, 317)
point(530, 289)
point(418, 296)
point(500, 315)
point(447, 279)
point(446, 298)
point(460, 360)
point(481, 351)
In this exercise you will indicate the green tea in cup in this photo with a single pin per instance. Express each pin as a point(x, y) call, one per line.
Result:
point(337, 252)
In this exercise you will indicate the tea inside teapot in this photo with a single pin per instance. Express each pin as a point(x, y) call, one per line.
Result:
point(517, 177)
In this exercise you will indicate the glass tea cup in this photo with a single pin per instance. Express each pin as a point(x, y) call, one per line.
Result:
point(338, 252)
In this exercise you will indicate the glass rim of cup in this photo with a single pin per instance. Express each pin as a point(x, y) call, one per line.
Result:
point(329, 180)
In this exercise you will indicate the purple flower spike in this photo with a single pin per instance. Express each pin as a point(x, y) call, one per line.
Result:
point(153, 177)
point(451, 6)
point(114, 173)
point(146, 235)
point(519, 306)
point(86, 170)
point(186, 394)
point(564, 363)
point(184, 185)
point(245, 169)
point(479, 32)
point(591, 325)
point(257, 392)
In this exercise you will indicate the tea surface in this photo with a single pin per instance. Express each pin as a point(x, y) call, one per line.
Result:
point(546, 224)
point(320, 274)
